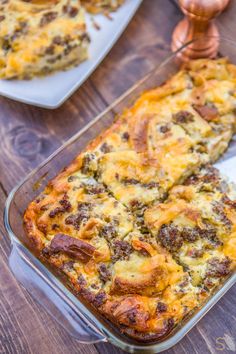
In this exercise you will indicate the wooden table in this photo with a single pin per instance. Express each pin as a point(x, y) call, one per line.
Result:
point(28, 135)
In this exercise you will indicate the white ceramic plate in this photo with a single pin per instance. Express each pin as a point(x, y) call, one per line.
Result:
point(51, 91)
point(227, 169)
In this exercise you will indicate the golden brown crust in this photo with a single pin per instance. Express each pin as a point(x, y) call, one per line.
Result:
point(96, 6)
point(106, 223)
point(196, 224)
point(40, 37)
point(138, 128)
point(72, 247)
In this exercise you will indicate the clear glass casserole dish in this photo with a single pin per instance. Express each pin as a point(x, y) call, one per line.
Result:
point(73, 313)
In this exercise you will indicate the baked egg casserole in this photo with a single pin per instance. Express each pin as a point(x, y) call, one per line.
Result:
point(140, 223)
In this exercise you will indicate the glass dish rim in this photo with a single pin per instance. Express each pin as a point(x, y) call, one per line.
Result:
point(92, 320)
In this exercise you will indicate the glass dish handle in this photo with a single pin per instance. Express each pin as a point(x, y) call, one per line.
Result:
point(53, 300)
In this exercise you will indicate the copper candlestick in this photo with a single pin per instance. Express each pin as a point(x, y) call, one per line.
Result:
point(198, 23)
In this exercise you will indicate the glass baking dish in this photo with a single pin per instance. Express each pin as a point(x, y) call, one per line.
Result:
point(73, 313)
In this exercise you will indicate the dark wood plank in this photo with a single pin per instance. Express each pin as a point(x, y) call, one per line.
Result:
point(226, 21)
point(28, 134)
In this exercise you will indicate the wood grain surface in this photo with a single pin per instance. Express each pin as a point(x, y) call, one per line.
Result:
point(28, 135)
